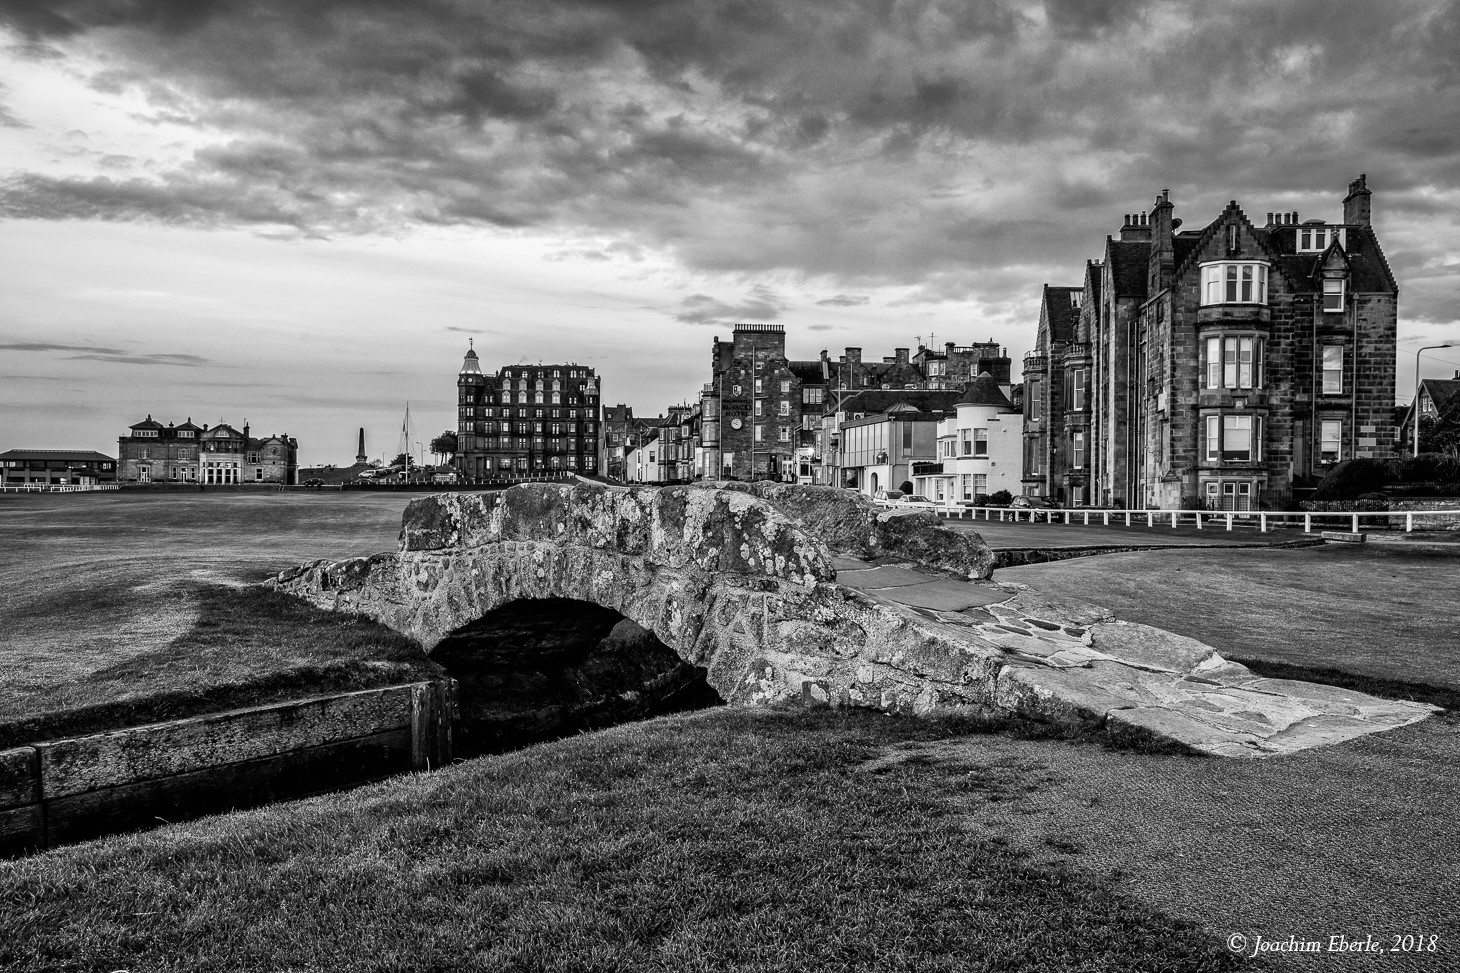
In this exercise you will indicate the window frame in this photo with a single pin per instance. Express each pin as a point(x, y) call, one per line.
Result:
point(1224, 282)
point(1338, 290)
point(1324, 371)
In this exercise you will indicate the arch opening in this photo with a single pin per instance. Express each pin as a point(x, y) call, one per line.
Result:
point(538, 669)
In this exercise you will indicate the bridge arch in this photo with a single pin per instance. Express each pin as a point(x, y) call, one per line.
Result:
point(723, 578)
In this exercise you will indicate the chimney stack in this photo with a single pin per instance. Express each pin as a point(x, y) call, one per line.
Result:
point(1137, 226)
point(1163, 251)
point(901, 354)
point(1356, 203)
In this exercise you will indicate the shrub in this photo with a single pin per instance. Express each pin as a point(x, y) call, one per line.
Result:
point(1001, 498)
point(1353, 477)
point(906, 486)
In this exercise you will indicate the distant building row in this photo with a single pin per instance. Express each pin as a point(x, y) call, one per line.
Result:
point(188, 453)
point(868, 425)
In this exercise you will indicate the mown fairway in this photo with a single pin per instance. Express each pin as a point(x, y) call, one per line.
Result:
point(100, 591)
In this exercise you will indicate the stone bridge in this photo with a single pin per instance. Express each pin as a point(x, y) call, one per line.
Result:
point(791, 592)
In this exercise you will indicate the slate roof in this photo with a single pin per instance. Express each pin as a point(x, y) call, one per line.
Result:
point(66, 455)
point(1443, 392)
point(1061, 312)
point(1130, 262)
point(875, 401)
point(808, 372)
point(1369, 271)
point(984, 391)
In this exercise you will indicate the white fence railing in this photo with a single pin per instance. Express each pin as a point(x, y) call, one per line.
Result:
point(55, 487)
point(1263, 520)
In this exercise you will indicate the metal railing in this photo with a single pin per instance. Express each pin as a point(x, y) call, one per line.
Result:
point(55, 487)
point(1263, 520)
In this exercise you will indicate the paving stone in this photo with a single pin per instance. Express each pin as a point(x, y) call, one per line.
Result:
point(944, 595)
point(884, 577)
point(1150, 647)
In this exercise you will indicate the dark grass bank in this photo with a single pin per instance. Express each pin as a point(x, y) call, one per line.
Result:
point(726, 840)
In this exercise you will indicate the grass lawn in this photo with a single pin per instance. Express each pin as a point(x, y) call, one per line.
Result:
point(1368, 613)
point(730, 839)
point(123, 608)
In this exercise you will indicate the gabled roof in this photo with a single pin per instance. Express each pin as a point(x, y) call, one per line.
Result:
point(1059, 310)
point(1129, 262)
point(148, 423)
point(985, 391)
point(1443, 391)
point(1369, 271)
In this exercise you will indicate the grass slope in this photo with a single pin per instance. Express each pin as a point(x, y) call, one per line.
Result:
point(727, 840)
point(121, 608)
point(245, 647)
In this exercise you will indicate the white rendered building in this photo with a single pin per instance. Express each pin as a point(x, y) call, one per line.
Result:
point(980, 448)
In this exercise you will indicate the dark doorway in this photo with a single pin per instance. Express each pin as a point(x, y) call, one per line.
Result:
point(539, 669)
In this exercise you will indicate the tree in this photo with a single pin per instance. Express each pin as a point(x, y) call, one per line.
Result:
point(444, 445)
point(404, 461)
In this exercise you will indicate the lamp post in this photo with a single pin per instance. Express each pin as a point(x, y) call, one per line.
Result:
point(1414, 407)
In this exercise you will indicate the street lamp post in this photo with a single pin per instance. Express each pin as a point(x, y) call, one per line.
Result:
point(1414, 407)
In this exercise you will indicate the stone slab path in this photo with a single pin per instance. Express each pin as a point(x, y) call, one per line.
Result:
point(1076, 663)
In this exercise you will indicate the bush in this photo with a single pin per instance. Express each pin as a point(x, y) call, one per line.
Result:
point(906, 486)
point(1353, 477)
point(1001, 498)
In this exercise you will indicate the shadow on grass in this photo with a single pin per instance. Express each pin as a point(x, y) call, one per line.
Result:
point(1417, 692)
point(249, 646)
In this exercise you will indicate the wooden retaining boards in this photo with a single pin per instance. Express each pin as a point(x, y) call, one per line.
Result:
point(69, 790)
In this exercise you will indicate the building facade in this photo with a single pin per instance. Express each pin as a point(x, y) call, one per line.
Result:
point(526, 420)
point(56, 467)
point(220, 455)
point(1251, 359)
point(979, 448)
point(755, 408)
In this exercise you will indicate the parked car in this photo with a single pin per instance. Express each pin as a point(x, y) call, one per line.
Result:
point(1042, 504)
point(915, 500)
point(314, 481)
point(887, 498)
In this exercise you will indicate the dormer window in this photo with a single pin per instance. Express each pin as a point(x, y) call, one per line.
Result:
point(1315, 239)
point(1234, 282)
point(1333, 294)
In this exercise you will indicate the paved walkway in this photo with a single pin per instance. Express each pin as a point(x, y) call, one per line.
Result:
point(1075, 663)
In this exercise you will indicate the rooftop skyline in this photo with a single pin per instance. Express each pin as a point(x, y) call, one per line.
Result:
point(299, 213)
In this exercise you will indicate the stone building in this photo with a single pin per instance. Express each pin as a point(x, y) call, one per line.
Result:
point(1226, 366)
point(619, 432)
point(757, 405)
point(221, 455)
point(525, 420)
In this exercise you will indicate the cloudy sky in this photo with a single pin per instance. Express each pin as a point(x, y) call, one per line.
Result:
point(298, 212)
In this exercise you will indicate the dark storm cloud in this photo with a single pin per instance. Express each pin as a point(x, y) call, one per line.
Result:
point(112, 355)
point(932, 143)
point(761, 304)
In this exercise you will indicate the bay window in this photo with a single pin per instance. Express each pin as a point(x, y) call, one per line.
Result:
point(1233, 361)
point(1077, 450)
point(980, 442)
point(1234, 283)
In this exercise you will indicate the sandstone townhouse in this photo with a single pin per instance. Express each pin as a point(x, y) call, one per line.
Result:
point(1226, 366)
